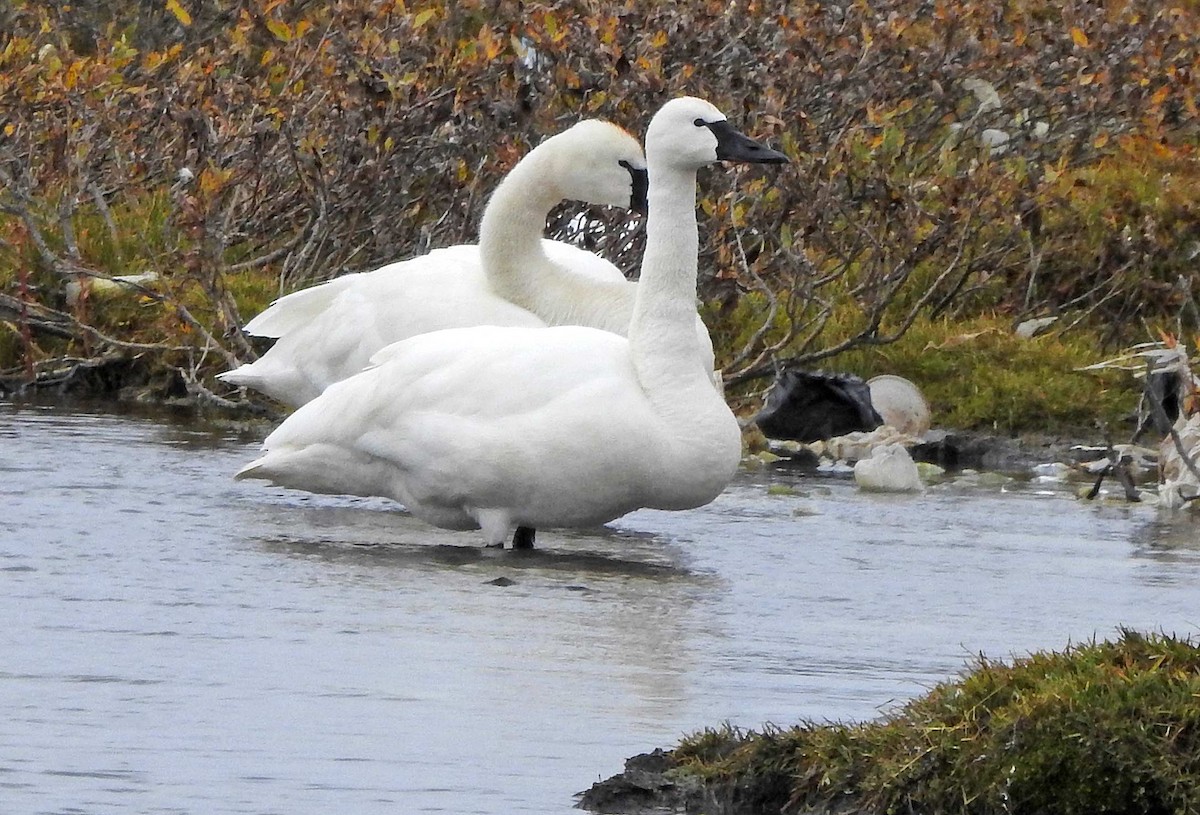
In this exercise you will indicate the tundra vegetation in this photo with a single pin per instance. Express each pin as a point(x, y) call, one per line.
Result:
point(1101, 727)
point(959, 167)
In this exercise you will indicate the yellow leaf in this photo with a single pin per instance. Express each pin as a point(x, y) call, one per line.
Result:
point(424, 17)
point(281, 30)
point(181, 14)
point(1078, 37)
point(1100, 140)
point(9, 129)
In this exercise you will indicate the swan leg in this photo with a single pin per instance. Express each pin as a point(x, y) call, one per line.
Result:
point(523, 537)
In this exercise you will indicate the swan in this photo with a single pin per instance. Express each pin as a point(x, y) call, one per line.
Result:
point(513, 277)
point(508, 429)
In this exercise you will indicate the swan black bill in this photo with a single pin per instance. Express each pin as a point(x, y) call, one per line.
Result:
point(638, 201)
point(734, 145)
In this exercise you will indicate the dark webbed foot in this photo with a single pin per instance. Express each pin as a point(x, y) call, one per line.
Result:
point(523, 537)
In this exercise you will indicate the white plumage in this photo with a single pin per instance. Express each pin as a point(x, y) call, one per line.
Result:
point(503, 427)
point(513, 277)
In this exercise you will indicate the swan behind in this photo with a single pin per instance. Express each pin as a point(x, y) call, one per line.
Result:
point(514, 277)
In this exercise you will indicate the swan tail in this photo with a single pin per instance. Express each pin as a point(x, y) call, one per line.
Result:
point(320, 468)
point(284, 385)
point(323, 468)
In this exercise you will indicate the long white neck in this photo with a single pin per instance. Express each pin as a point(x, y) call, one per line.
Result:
point(662, 334)
point(510, 235)
point(518, 269)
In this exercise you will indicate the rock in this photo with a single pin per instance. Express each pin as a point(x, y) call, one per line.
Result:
point(960, 450)
point(808, 406)
point(104, 287)
point(643, 788)
point(857, 446)
point(889, 469)
point(900, 404)
point(1179, 486)
point(1031, 328)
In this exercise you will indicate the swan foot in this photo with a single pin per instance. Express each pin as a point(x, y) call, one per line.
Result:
point(523, 537)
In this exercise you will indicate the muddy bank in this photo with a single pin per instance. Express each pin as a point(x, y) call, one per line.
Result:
point(649, 786)
point(957, 450)
point(121, 385)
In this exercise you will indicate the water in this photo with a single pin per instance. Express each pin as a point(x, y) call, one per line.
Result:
point(175, 641)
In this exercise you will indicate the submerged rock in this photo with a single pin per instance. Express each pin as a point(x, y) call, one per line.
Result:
point(889, 469)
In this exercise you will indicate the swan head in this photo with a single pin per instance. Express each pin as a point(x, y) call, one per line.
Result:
point(690, 132)
point(598, 162)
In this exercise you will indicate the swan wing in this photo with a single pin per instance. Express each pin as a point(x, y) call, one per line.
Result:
point(295, 310)
point(549, 425)
point(356, 318)
point(582, 262)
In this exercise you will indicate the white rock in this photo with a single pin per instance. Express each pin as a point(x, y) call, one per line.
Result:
point(1030, 328)
point(889, 469)
point(900, 404)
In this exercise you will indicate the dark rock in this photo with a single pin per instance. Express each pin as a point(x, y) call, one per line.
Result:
point(961, 450)
point(501, 581)
point(643, 788)
point(807, 406)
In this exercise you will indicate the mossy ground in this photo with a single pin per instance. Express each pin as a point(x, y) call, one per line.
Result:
point(1101, 727)
point(977, 374)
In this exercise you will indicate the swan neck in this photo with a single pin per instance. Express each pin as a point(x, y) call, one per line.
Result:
point(662, 334)
point(510, 233)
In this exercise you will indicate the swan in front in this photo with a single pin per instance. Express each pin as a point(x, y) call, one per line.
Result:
point(510, 429)
point(513, 277)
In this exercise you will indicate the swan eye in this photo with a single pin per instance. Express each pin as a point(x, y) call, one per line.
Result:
point(700, 123)
point(626, 165)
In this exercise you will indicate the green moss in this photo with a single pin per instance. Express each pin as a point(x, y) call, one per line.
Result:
point(1098, 727)
point(976, 373)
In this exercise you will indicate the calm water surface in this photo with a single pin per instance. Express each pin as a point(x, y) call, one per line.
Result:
point(179, 642)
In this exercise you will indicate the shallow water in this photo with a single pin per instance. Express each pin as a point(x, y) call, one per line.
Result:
point(179, 642)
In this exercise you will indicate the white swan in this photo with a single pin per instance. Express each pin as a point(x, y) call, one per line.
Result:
point(499, 427)
point(514, 277)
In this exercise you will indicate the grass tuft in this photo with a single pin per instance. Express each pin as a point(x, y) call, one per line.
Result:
point(1101, 727)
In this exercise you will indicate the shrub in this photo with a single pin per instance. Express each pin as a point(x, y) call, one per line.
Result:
point(950, 159)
